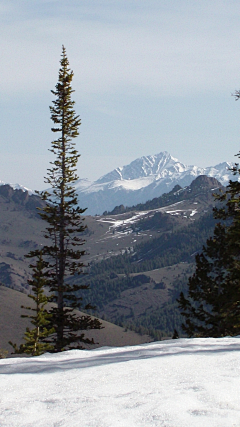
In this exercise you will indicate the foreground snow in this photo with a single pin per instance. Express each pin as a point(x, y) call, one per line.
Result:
point(187, 383)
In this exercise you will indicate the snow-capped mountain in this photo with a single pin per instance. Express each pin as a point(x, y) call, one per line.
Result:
point(142, 180)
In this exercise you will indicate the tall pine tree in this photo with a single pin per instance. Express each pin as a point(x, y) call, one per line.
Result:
point(64, 222)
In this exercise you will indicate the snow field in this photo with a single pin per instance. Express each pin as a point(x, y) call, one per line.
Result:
point(177, 383)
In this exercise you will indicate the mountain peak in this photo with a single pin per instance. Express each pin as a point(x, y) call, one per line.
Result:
point(146, 178)
point(143, 179)
point(141, 167)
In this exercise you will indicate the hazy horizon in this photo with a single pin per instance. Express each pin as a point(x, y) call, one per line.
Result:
point(148, 77)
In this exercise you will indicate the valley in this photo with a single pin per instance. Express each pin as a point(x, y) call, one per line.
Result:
point(139, 260)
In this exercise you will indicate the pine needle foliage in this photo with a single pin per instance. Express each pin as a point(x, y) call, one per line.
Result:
point(34, 338)
point(65, 223)
point(211, 290)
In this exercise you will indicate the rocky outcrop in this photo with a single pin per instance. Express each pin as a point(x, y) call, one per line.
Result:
point(20, 197)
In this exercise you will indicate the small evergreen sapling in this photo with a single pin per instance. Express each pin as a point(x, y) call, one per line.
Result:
point(40, 319)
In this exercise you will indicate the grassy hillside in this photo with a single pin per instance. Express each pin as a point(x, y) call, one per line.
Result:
point(12, 326)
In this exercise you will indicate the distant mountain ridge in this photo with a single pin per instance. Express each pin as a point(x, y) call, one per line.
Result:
point(199, 186)
point(17, 187)
point(143, 179)
point(22, 228)
point(21, 197)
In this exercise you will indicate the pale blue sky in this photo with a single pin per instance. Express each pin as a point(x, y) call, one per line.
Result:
point(149, 76)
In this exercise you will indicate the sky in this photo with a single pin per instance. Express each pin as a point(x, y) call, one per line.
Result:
point(176, 383)
point(149, 76)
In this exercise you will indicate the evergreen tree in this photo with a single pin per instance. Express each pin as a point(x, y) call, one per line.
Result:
point(64, 222)
point(208, 308)
point(34, 338)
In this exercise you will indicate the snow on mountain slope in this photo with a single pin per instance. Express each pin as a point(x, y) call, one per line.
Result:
point(133, 218)
point(145, 166)
point(142, 180)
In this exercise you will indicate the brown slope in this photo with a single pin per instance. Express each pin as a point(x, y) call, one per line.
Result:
point(12, 326)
